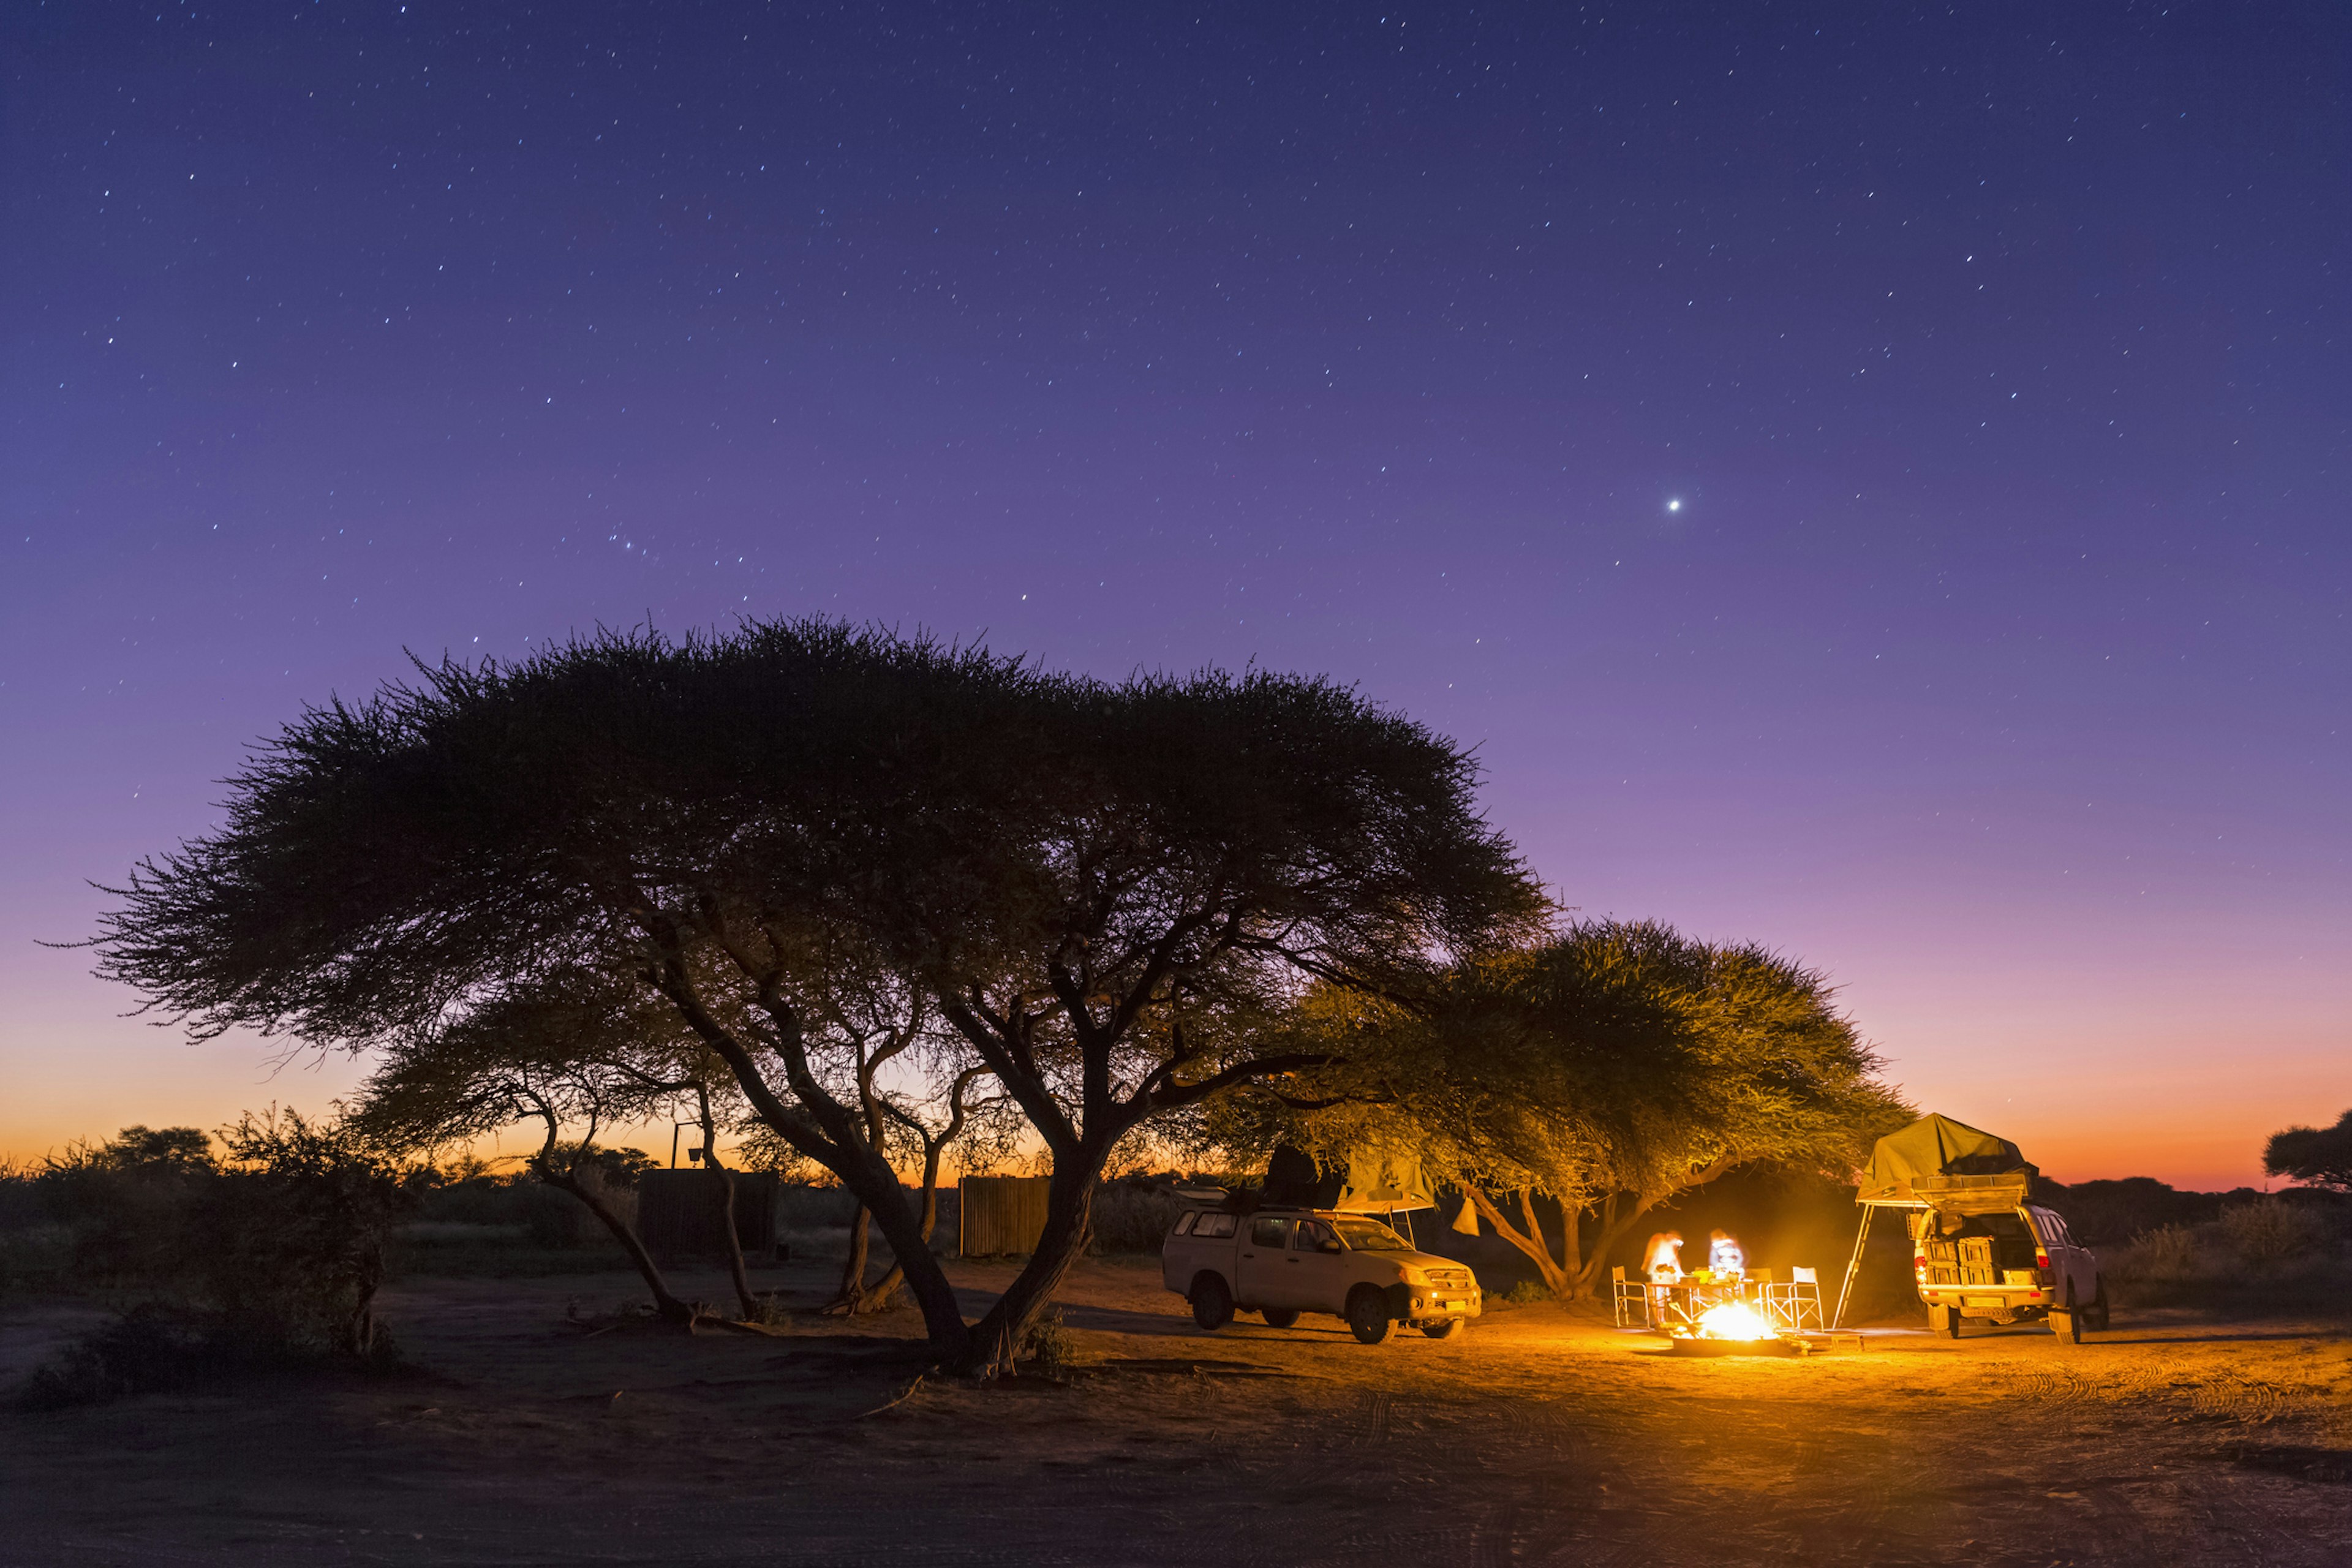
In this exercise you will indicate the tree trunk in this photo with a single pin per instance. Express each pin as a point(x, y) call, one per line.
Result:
point(877, 1296)
point(747, 1302)
point(869, 1177)
point(666, 1306)
point(1558, 1280)
point(1613, 1228)
point(998, 1336)
point(368, 1278)
point(1614, 1225)
point(855, 1297)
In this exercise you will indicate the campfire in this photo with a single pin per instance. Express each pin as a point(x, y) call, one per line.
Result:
point(1733, 1328)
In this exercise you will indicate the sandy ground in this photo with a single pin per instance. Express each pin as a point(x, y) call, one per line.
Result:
point(1537, 1437)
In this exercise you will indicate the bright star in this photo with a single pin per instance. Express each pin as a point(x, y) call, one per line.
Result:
point(1674, 506)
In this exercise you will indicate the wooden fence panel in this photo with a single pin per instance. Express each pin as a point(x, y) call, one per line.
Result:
point(1000, 1214)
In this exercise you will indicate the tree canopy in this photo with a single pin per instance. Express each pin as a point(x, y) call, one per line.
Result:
point(2319, 1156)
point(1083, 877)
point(1609, 1067)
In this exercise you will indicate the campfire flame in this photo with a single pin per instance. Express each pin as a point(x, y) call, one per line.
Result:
point(1734, 1321)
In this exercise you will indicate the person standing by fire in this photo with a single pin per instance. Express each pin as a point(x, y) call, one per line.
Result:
point(1725, 1257)
point(1665, 1254)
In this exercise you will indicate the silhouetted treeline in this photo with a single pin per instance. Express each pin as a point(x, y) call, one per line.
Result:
point(2111, 1212)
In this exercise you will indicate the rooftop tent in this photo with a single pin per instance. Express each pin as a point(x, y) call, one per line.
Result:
point(1368, 1179)
point(1939, 1163)
point(1384, 1181)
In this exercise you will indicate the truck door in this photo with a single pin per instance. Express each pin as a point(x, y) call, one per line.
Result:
point(2081, 1266)
point(1316, 1280)
point(1259, 1261)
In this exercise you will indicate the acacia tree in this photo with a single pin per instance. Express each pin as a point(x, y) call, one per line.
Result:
point(2318, 1156)
point(1079, 874)
point(1611, 1068)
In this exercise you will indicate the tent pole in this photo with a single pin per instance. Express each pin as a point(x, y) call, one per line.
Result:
point(1853, 1266)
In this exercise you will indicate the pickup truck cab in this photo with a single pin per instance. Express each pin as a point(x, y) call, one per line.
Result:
point(1281, 1262)
point(2009, 1265)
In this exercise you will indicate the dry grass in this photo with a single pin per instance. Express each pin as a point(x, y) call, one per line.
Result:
point(2267, 1253)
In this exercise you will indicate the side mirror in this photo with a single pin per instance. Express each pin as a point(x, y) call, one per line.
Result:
point(1329, 1247)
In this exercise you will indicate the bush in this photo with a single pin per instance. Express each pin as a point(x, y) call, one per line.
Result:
point(802, 1206)
point(2169, 1256)
point(1050, 1350)
point(1131, 1220)
point(281, 1243)
point(2269, 1255)
point(36, 1258)
point(2265, 1236)
point(158, 1348)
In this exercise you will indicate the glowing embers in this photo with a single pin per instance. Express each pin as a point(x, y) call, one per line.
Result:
point(1732, 1328)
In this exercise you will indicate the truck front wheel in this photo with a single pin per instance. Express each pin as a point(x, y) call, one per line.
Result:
point(1212, 1304)
point(1368, 1314)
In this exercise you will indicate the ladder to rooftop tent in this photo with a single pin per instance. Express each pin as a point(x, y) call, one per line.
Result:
point(1853, 1264)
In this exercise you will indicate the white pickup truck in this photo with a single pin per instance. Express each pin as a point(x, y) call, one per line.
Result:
point(1281, 1262)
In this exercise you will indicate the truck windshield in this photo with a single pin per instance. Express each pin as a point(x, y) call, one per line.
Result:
point(1369, 1236)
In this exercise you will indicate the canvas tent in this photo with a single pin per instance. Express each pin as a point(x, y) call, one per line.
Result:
point(1936, 1162)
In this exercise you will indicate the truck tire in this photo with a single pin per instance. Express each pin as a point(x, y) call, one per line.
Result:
point(1944, 1320)
point(2095, 1316)
point(1212, 1304)
point(1444, 1330)
point(1368, 1314)
point(2067, 1322)
point(1280, 1317)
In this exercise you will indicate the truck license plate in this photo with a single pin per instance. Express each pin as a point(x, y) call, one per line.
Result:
point(1992, 1303)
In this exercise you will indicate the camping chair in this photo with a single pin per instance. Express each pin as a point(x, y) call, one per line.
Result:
point(1626, 1290)
point(1789, 1304)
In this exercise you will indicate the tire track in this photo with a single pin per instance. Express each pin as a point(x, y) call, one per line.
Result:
point(2061, 1386)
point(2233, 1397)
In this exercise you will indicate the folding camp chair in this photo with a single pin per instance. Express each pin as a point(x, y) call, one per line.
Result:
point(1626, 1290)
point(1791, 1304)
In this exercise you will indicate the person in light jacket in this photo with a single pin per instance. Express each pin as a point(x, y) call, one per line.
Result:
point(1664, 1266)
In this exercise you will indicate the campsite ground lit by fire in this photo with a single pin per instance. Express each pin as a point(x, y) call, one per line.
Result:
point(538, 1427)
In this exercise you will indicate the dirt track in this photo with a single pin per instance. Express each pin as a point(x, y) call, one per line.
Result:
point(1536, 1438)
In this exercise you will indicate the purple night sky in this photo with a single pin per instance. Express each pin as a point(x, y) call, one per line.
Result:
point(1866, 479)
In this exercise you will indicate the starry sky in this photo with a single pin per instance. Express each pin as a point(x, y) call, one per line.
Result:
point(1871, 479)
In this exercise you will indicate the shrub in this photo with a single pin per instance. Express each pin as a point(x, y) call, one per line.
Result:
point(1050, 1350)
point(2167, 1256)
point(280, 1244)
point(809, 1207)
point(1131, 1220)
point(2265, 1236)
point(159, 1348)
point(36, 1258)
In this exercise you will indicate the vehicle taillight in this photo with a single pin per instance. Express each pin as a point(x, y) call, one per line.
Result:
point(2042, 1260)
